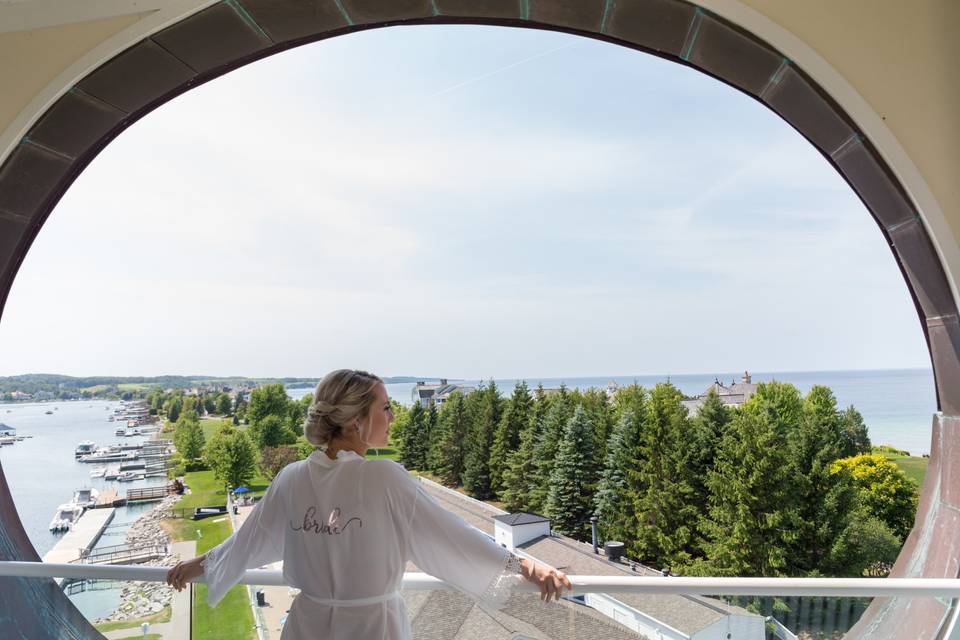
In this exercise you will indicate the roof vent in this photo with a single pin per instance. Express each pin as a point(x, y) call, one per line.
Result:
point(614, 550)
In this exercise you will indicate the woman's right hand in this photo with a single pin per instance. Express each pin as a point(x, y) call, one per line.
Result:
point(184, 572)
point(551, 581)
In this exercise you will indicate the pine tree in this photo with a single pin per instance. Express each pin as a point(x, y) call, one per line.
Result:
point(752, 516)
point(666, 513)
point(547, 444)
point(516, 416)
point(520, 476)
point(856, 439)
point(825, 500)
point(572, 480)
point(447, 450)
point(413, 446)
point(600, 413)
point(484, 419)
point(706, 431)
point(615, 497)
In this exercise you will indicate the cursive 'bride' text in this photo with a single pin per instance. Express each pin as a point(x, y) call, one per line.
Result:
point(332, 526)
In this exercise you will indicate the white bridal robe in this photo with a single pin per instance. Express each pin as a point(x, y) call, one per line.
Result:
point(345, 529)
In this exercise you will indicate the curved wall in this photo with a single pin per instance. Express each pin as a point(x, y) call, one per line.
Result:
point(71, 130)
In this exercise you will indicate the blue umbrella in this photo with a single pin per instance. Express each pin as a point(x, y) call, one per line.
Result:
point(241, 490)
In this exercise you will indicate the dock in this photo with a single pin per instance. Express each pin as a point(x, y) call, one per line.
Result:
point(81, 538)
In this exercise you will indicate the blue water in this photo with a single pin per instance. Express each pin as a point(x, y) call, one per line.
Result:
point(43, 473)
point(897, 404)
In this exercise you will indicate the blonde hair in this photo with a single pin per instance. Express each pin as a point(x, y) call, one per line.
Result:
point(342, 396)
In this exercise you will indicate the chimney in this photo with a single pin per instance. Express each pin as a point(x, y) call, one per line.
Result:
point(746, 377)
point(593, 530)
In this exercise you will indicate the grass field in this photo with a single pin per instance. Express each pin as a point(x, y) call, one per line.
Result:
point(914, 466)
point(206, 491)
point(231, 618)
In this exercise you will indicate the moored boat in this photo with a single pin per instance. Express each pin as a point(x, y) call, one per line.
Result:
point(84, 448)
point(65, 517)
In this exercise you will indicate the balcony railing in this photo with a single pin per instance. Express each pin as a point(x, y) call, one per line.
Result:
point(582, 584)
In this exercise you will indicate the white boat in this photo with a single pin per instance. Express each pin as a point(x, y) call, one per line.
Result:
point(120, 432)
point(110, 419)
point(99, 472)
point(7, 440)
point(84, 448)
point(129, 476)
point(86, 497)
point(65, 517)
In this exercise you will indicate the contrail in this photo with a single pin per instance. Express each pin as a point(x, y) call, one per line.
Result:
point(460, 85)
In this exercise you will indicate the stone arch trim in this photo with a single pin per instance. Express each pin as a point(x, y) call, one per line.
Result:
point(231, 33)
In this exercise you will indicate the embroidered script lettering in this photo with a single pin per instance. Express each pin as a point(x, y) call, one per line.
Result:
point(331, 527)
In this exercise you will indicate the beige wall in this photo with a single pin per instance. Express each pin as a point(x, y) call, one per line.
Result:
point(32, 59)
point(899, 55)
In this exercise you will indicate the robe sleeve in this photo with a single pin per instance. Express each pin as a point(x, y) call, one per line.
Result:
point(258, 542)
point(445, 546)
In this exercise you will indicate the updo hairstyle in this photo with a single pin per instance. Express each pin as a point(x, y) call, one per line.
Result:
point(341, 397)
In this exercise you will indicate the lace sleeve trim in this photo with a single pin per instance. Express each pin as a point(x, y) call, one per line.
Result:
point(498, 591)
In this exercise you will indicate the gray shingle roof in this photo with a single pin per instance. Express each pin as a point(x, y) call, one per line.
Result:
point(521, 517)
point(687, 614)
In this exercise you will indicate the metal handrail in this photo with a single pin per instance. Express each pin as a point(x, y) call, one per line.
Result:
point(582, 584)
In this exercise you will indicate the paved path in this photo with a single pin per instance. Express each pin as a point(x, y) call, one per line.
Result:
point(178, 628)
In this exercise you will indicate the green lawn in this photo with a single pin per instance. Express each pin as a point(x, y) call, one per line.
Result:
point(384, 452)
point(914, 466)
point(140, 636)
point(231, 618)
point(161, 616)
point(206, 491)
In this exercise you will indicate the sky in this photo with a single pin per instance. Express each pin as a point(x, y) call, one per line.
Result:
point(459, 201)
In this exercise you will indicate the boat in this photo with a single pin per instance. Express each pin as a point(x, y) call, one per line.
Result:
point(110, 419)
point(129, 476)
point(120, 432)
point(49, 413)
point(99, 472)
point(84, 448)
point(110, 454)
point(112, 473)
point(65, 517)
point(4, 440)
point(85, 497)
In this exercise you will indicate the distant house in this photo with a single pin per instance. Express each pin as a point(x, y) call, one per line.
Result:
point(434, 394)
point(7, 430)
point(734, 394)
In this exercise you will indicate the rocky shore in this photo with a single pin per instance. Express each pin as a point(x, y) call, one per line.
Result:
point(138, 599)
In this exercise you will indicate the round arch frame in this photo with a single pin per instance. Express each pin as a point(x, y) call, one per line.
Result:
point(224, 35)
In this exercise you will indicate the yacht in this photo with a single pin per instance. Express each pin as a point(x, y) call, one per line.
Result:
point(84, 448)
point(86, 497)
point(66, 515)
point(129, 476)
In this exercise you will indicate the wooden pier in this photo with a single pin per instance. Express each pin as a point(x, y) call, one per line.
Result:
point(81, 538)
point(122, 554)
point(147, 493)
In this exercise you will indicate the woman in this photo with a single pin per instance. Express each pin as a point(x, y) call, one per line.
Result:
point(346, 526)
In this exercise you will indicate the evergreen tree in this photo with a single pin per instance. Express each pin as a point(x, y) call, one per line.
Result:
point(666, 513)
point(825, 500)
point(572, 480)
point(520, 476)
point(855, 437)
point(752, 517)
point(447, 451)
point(629, 398)
point(616, 494)
point(706, 431)
point(600, 413)
point(486, 415)
point(516, 416)
point(414, 444)
point(546, 446)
